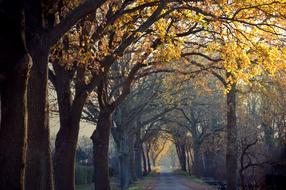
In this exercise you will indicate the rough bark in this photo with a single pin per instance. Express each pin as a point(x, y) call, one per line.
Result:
point(39, 165)
point(231, 131)
point(100, 139)
point(13, 130)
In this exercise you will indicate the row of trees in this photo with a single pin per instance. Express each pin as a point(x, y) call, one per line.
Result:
point(198, 126)
point(98, 49)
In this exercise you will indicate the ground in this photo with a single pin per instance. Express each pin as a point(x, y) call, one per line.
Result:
point(165, 180)
point(169, 181)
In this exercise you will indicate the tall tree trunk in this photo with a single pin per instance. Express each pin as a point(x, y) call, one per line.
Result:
point(181, 152)
point(67, 137)
point(124, 171)
point(198, 162)
point(100, 139)
point(188, 160)
point(148, 161)
point(122, 145)
point(14, 67)
point(13, 129)
point(64, 162)
point(145, 171)
point(132, 157)
point(138, 155)
point(242, 181)
point(231, 131)
point(39, 165)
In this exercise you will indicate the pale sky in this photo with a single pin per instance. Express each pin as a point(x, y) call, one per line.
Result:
point(86, 129)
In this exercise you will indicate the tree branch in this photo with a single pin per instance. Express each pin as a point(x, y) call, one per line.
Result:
point(72, 18)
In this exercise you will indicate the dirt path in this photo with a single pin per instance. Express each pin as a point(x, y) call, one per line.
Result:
point(170, 181)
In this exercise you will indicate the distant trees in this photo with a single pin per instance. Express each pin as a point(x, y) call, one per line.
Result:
point(130, 128)
point(198, 117)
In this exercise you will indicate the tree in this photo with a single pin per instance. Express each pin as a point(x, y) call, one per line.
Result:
point(42, 32)
point(14, 73)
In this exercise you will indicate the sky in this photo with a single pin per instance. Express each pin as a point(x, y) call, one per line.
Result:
point(86, 129)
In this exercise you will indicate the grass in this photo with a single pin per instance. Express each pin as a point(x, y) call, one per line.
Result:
point(135, 187)
point(91, 187)
point(85, 187)
point(142, 184)
point(113, 184)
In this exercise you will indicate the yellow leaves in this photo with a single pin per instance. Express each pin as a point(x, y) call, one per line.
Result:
point(233, 57)
point(270, 58)
point(198, 18)
point(230, 81)
point(248, 62)
point(230, 37)
point(160, 27)
point(169, 52)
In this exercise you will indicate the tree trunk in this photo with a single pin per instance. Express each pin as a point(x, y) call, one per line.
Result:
point(39, 165)
point(181, 151)
point(132, 157)
point(188, 160)
point(67, 137)
point(122, 149)
point(231, 131)
point(14, 68)
point(138, 156)
point(64, 163)
point(242, 182)
point(145, 171)
point(124, 173)
point(198, 162)
point(13, 129)
point(100, 139)
point(148, 161)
